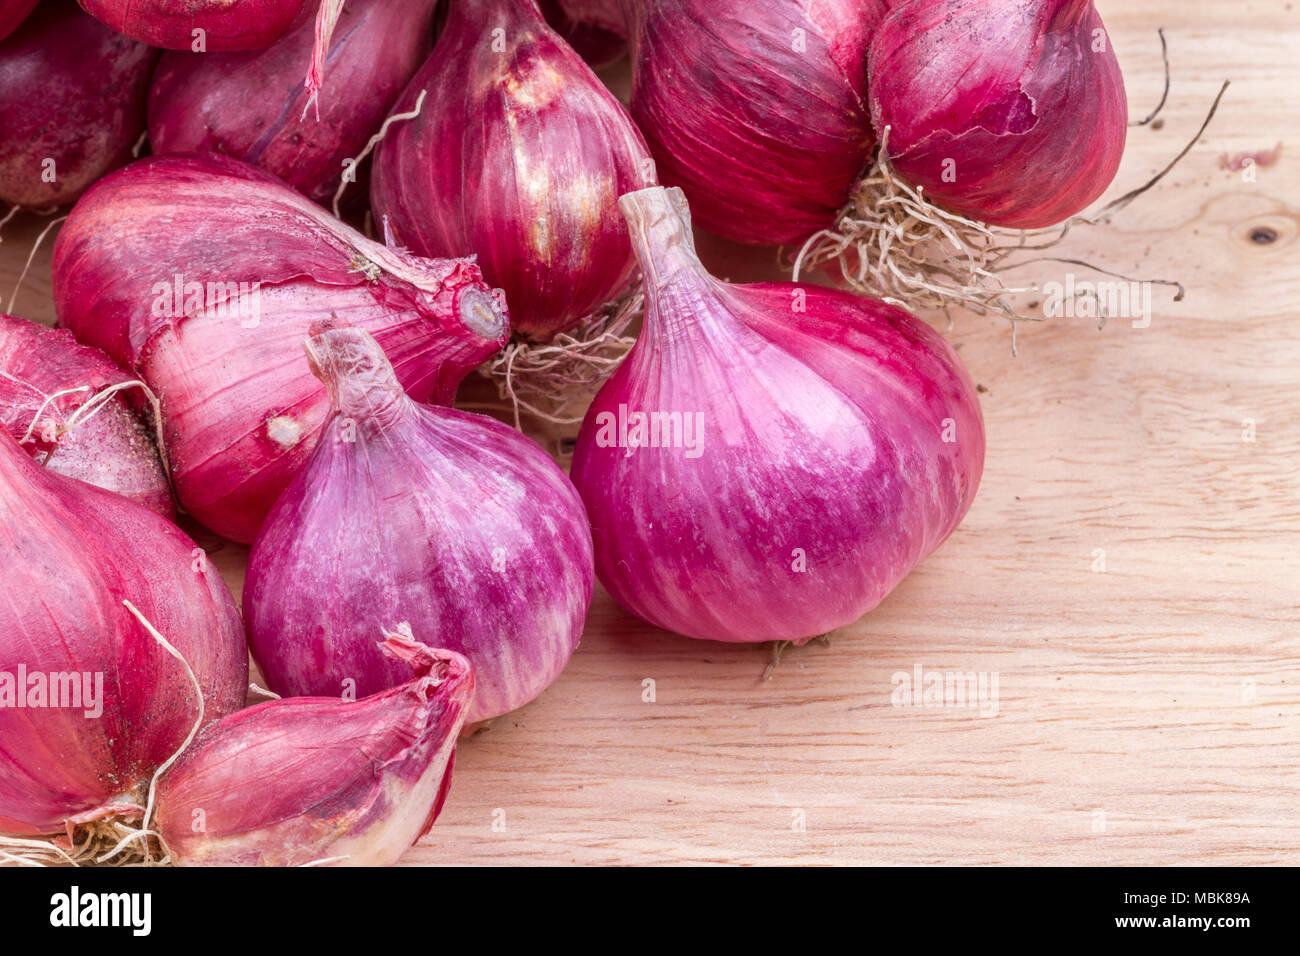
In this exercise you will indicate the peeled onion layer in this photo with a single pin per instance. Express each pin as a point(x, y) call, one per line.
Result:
point(835, 442)
point(73, 554)
point(407, 512)
point(356, 783)
point(518, 155)
point(51, 389)
point(241, 411)
point(72, 105)
point(219, 25)
point(254, 105)
point(1013, 113)
point(756, 110)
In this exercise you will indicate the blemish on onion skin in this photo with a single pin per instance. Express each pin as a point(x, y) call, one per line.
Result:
point(1263, 235)
point(284, 430)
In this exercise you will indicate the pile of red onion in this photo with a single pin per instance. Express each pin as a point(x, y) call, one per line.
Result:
point(767, 463)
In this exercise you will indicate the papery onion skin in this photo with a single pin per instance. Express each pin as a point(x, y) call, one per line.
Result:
point(840, 442)
point(517, 156)
point(225, 24)
point(1025, 138)
point(241, 411)
point(73, 553)
point(766, 140)
point(355, 783)
point(12, 13)
point(72, 105)
point(253, 105)
point(450, 520)
point(110, 447)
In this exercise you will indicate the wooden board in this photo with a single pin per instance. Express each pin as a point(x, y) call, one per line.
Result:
point(1148, 713)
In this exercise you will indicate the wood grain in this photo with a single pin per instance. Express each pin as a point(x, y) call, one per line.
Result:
point(1148, 713)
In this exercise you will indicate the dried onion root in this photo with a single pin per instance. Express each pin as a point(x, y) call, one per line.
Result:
point(891, 241)
point(555, 381)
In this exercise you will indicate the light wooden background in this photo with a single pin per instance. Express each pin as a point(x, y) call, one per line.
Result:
point(1149, 713)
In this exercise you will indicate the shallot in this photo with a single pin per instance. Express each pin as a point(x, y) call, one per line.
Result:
point(72, 105)
point(443, 518)
point(202, 274)
point(519, 154)
point(66, 404)
point(997, 138)
point(253, 105)
point(756, 109)
point(353, 783)
point(91, 703)
point(771, 459)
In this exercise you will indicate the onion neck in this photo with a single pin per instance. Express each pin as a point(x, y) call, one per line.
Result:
point(678, 289)
point(361, 382)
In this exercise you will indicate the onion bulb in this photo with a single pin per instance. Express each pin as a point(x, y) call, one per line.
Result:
point(519, 154)
point(758, 111)
point(442, 518)
point(66, 404)
point(770, 460)
point(72, 105)
point(355, 783)
point(91, 705)
point(985, 103)
point(12, 13)
point(254, 105)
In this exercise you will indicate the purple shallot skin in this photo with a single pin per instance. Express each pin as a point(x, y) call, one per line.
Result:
point(799, 450)
point(254, 105)
point(758, 111)
point(219, 25)
point(407, 512)
point(72, 105)
point(73, 553)
point(356, 782)
point(518, 157)
point(1012, 113)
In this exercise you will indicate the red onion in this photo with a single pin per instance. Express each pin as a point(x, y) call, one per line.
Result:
point(72, 105)
point(519, 154)
point(65, 404)
point(757, 110)
point(449, 520)
point(253, 106)
point(12, 13)
point(202, 275)
point(985, 103)
point(354, 783)
point(90, 704)
point(771, 459)
point(199, 25)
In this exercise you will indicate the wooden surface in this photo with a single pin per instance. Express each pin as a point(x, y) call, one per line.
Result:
point(1148, 713)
